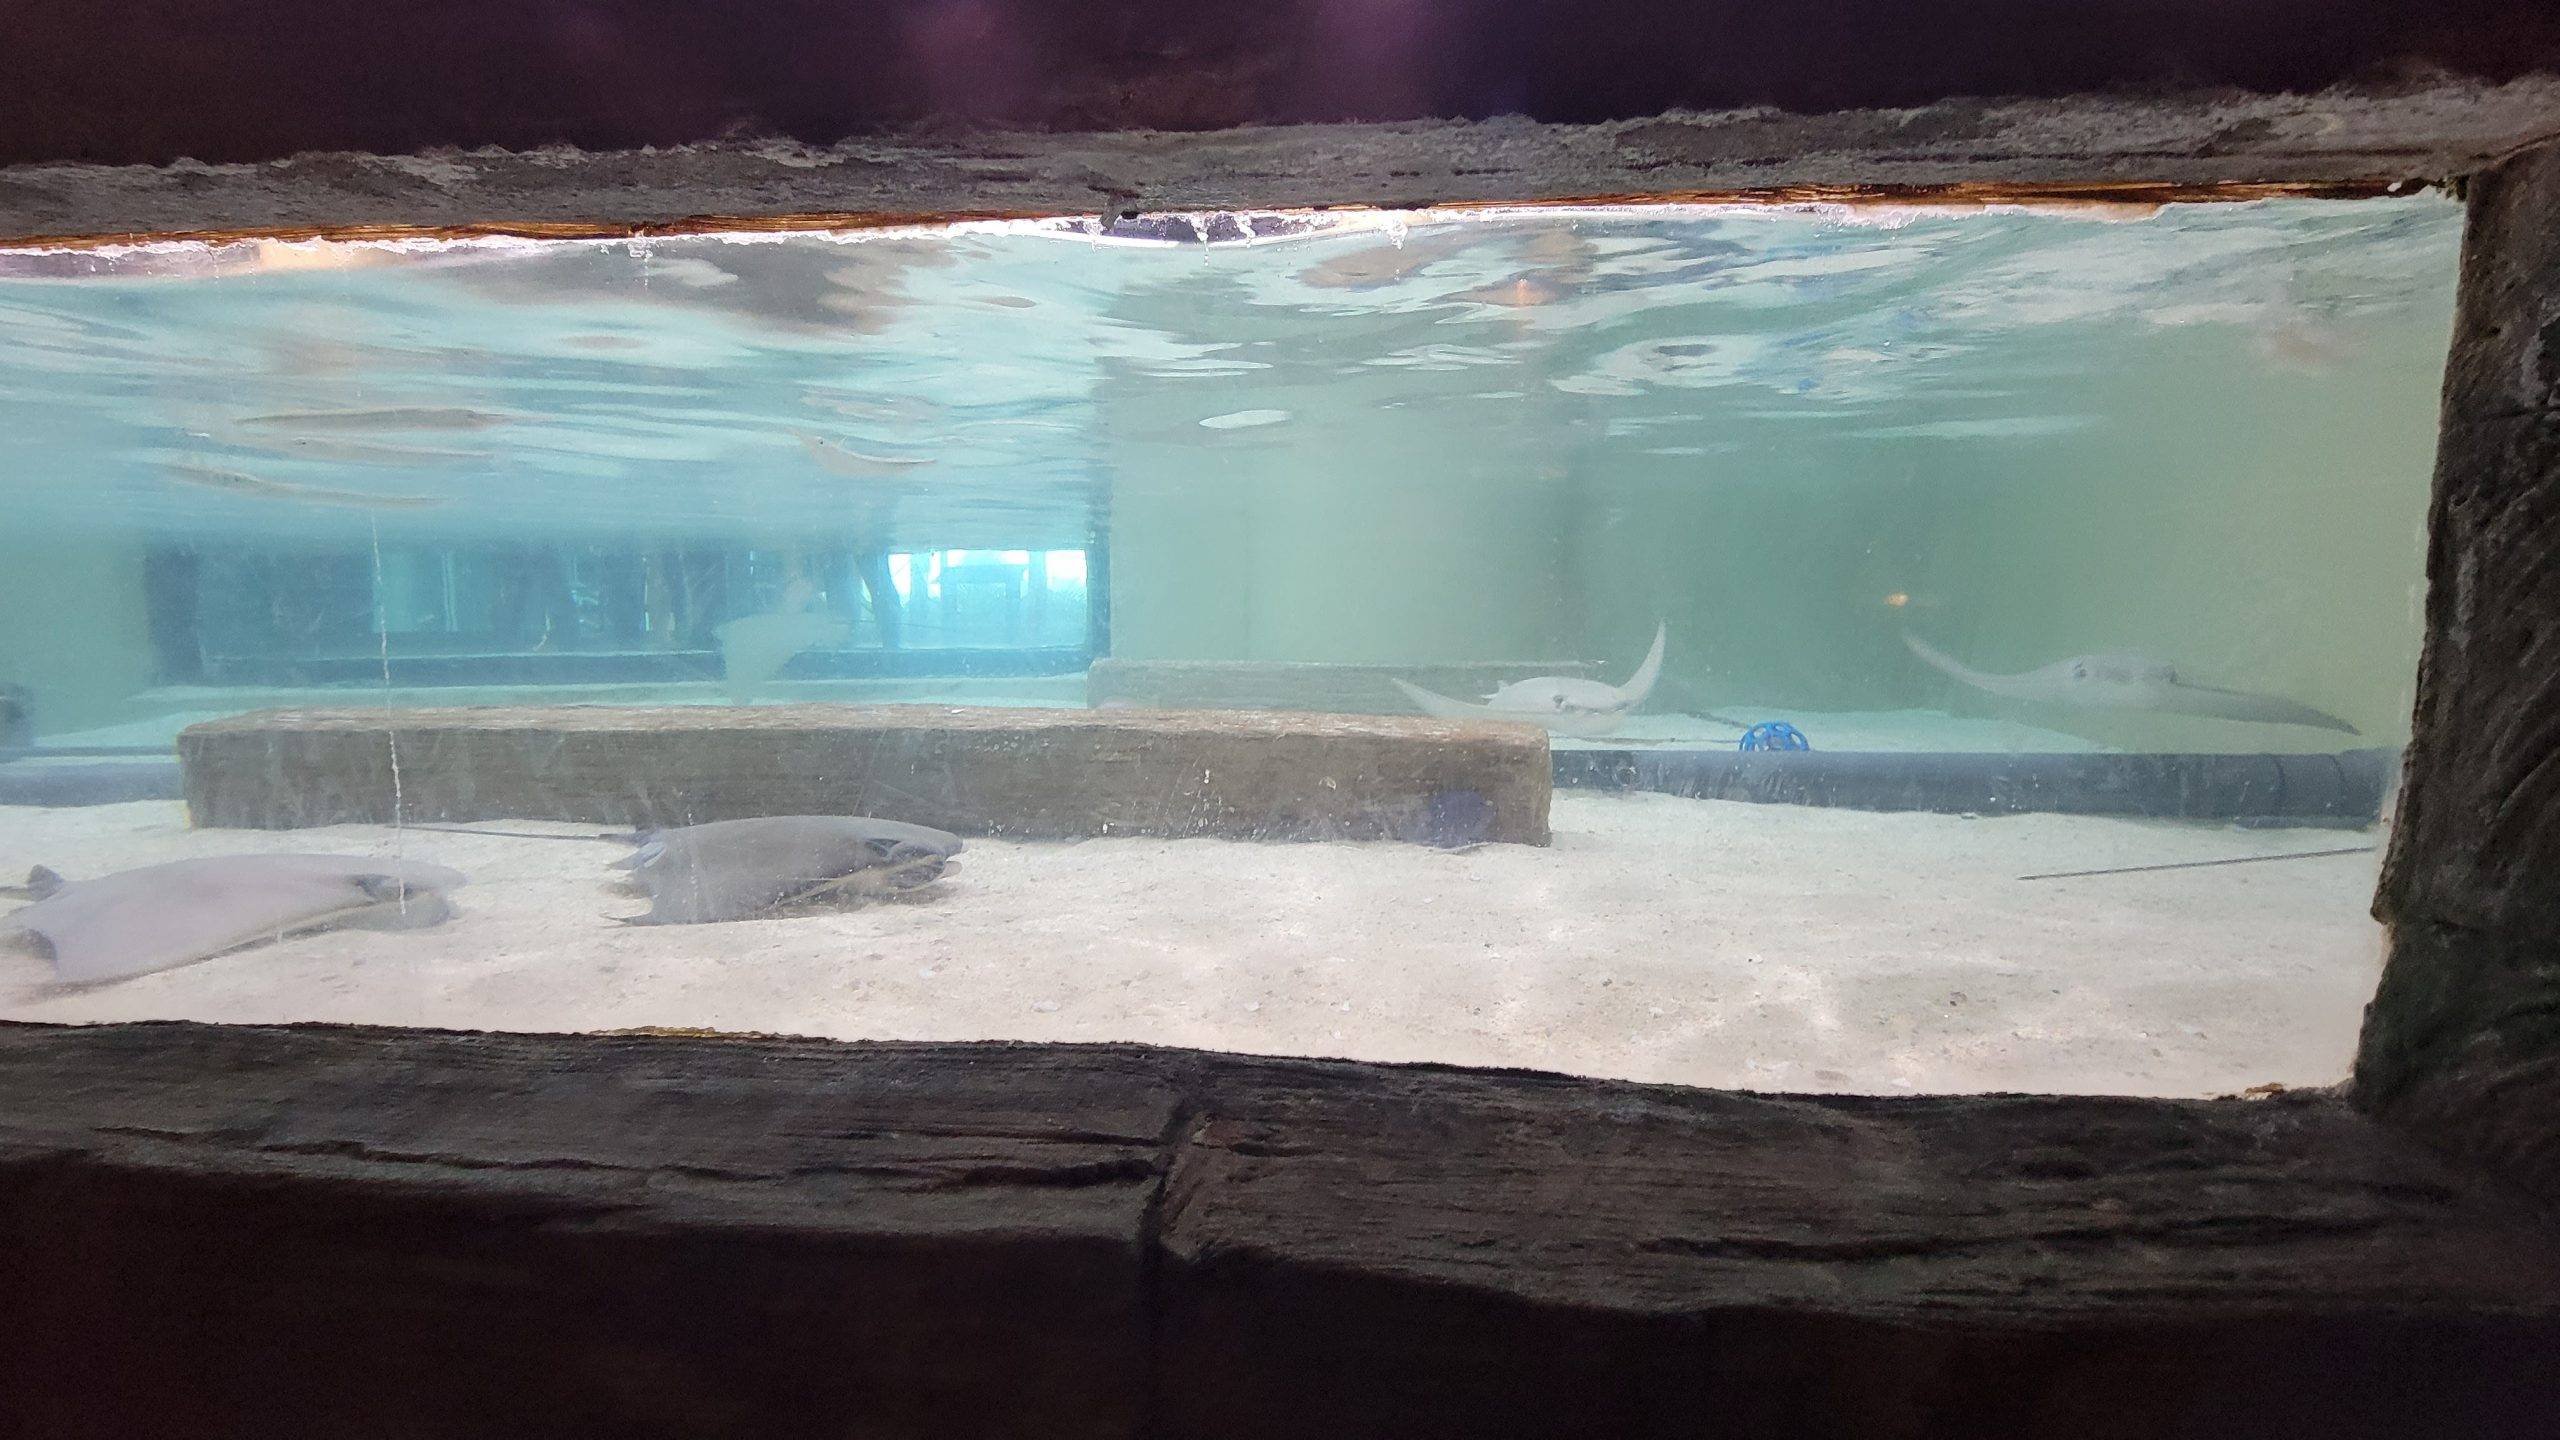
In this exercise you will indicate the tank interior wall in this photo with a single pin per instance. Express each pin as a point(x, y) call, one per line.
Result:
point(2244, 546)
point(2275, 548)
point(74, 629)
point(1363, 537)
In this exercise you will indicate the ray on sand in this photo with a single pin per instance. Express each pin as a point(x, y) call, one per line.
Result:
point(742, 869)
point(754, 648)
point(2125, 680)
point(1560, 704)
point(159, 917)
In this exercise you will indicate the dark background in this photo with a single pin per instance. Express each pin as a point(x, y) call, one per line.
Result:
point(217, 80)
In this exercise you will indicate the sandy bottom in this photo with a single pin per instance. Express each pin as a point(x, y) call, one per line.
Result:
point(1763, 947)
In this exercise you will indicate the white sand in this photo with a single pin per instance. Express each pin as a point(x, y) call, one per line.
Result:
point(1763, 947)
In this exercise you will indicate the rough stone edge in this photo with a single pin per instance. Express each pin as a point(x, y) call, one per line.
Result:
point(2461, 1044)
point(2093, 148)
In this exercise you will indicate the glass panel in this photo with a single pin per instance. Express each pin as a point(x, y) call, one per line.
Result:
point(1852, 574)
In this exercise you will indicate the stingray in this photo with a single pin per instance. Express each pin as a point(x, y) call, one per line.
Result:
point(162, 916)
point(1563, 705)
point(399, 418)
point(234, 483)
point(754, 650)
point(854, 462)
point(353, 452)
point(2123, 680)
point(901, 409)
point(738, 869)
point(1375, 265)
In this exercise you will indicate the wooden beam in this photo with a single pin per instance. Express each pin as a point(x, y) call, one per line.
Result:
point(2117, 150)
point(2463, 1041)
point(262, 1230)
point(666, 1239)
point(1021, 773)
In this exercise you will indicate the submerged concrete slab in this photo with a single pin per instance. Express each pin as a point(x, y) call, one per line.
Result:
point(1019, 773)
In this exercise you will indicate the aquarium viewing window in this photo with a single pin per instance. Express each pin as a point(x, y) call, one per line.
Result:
point(1980, 635)
point(1813, 647)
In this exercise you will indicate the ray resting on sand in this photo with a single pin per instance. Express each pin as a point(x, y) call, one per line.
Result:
point(741, 869)
point(2123, 680)
point(162, 916)
point(1563, 705)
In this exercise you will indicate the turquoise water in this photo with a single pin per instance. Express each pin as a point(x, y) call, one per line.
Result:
point(1919, 483)
point(967, 463)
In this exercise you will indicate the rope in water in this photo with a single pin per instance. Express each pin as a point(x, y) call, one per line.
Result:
point(2201, 864)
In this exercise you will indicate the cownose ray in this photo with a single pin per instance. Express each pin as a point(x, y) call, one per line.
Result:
point(392, 418)
point(737, 869)
point(754, 649)
point(855, 463)
point(2125, 680)
point(234, 482)
point(162, 916)
point(1564, 705)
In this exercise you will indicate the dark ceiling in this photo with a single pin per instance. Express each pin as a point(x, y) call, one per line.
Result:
point(154, 80)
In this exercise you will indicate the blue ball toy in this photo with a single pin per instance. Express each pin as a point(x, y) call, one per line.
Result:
point(1774, 735)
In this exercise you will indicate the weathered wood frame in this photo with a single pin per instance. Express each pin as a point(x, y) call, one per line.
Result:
point(246, 1230)
point(240, 1230)
point(2091, 149)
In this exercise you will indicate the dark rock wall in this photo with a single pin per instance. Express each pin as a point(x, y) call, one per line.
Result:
point(2463, 1042)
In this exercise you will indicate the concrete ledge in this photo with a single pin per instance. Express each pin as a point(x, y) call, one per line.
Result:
point(233, 1230)
point(1300, 685)
point(1011, 772)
